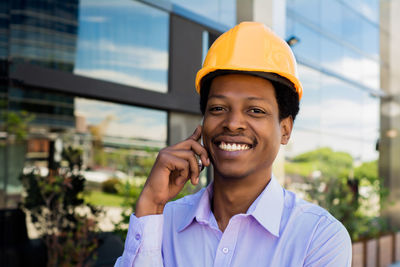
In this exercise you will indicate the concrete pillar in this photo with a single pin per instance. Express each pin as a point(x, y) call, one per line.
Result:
point(181, 126)
point(389, 149)
point(270, 12)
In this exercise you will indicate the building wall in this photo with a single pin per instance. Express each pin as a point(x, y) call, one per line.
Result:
point(115, 79)
point(108, 76)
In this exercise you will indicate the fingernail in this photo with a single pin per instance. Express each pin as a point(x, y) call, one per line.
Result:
point(208, 161)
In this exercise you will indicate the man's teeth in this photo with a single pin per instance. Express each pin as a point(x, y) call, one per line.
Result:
point(233, 146)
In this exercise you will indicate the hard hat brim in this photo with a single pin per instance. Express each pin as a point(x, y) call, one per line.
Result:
point(271, 76)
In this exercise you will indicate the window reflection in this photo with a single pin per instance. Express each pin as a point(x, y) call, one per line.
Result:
point(114, 43)
point(342, 108)
point(308, 9)
point(309, 45)
point(331, 16)
point(352, 28)
point(371, 73)
point(43, 34)
point(370, 118)
point(115, 138)
point(337, 143)
point(222, 11)
point(115, 141)
point(370, 39)
point(368, 8)
point(352, 65)
point(335, 116)
point(331, 55)
point(302, 141)
point(310, 107)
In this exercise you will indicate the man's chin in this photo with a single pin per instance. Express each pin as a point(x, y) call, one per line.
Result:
point(226, 173)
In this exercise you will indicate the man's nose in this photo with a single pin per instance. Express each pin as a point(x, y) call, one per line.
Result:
point(234, 121)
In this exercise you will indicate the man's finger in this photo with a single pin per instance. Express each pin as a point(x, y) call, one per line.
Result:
point(189, 155)
point(193, 145)
point(196, 134)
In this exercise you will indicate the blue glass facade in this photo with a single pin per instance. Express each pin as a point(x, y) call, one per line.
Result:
point(129, 43)
point(115, 44)
point(338, 56)
point(220, 11)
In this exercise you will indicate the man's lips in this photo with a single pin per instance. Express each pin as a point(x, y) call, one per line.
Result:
point(233, 143)
point(233, 146)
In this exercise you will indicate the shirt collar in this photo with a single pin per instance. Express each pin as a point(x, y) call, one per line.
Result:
point(267, 209)
point(201, 209)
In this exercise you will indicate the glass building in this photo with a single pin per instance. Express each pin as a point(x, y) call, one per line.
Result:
point(116, 78)
point(112, 78)
point(339, 65)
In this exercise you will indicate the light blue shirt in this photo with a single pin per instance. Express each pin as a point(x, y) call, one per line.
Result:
point(279, 229)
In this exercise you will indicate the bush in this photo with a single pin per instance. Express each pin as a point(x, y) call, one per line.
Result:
point(64, 221)
point(110, 186)
point(333, 182)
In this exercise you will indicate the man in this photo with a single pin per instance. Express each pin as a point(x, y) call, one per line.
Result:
point(250, 96)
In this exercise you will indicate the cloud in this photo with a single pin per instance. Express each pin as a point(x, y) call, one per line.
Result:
point(125, 55)
point(94, 19)
point(122, 78)
point(362, 70)
point(344, 117)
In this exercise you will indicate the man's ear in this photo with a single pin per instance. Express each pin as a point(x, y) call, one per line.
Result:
point(286, 125)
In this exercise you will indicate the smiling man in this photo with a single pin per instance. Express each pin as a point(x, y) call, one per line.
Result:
point(249, 96)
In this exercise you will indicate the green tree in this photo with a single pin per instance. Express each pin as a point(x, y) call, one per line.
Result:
point(334, 183)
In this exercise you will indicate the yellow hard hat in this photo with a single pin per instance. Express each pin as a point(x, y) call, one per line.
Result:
point(251, 47)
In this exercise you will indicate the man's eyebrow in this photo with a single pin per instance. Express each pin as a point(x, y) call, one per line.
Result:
point(248, 98)
point(216, 96)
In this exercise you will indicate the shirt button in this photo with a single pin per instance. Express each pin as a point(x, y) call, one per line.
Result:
point(137, 236)
point(225, 250)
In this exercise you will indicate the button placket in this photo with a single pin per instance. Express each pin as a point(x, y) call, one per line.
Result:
point(138, 236)
point(227, 243)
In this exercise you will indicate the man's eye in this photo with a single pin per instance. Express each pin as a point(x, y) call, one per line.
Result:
point(216, 109)
point(257, 111)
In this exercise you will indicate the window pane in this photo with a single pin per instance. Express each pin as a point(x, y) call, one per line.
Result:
point(302, 141)
point(308, 47)
point(352, 65)
point(331, 16)
point(352, 29)
point(342, 108)
point(308, 9)
point(222, 11)
point(370, 73)
point(370, 39)
point(352, 146)
point(114, 43)
point(309, 116)
point(331, 55)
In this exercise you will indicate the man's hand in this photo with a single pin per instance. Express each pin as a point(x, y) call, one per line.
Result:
point(174, 166)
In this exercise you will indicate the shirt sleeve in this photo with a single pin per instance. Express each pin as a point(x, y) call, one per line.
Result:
point(143, 242)
point(331, 246)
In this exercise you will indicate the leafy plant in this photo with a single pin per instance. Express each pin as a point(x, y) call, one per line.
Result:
point(65, 222)
point(333, 182)
point(110, 185)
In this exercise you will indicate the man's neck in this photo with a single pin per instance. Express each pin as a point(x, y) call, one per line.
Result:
point(233, 197)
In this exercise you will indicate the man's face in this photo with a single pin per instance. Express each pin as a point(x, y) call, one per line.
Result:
point(241, 130)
